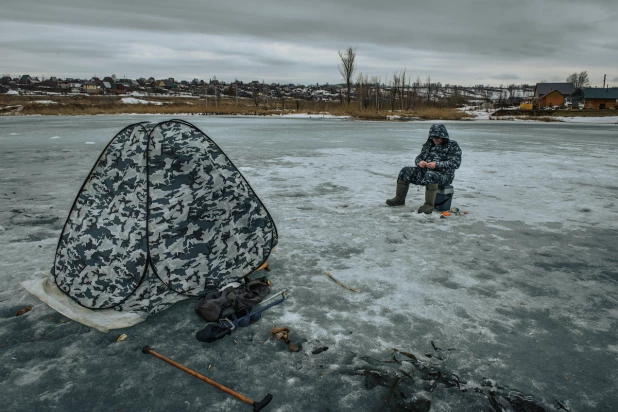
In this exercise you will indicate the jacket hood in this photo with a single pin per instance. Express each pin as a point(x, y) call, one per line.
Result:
point(438, 130)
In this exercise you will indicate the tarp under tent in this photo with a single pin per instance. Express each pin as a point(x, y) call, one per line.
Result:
point(163, 215)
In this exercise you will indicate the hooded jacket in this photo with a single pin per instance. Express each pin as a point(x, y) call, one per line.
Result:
point(446, 155)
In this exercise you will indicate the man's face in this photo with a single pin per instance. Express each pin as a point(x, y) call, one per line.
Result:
point(437, 140)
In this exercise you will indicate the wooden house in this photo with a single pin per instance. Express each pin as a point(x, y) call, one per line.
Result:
point(544, 90)
point(90, 88)
point(600, 98)
point(25, 79)
point(168, 84)
point(553, 98)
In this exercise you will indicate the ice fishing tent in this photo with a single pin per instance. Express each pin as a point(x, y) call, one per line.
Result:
point(163, 214)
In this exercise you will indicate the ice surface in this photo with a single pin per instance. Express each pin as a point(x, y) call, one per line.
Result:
point(524, 287)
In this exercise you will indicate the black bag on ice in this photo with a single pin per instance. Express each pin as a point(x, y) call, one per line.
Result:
point(222, 304)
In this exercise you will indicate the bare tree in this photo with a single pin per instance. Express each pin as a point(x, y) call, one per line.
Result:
point(403, 88)
point(264, 94)
point(500, 95)
point(236, 91)
point(416, 85)
point(375, 81)
point(361, 90)
point(347, 68)
point(410, 95)
point(579, 80)
point(256, 95)
point(394, 89)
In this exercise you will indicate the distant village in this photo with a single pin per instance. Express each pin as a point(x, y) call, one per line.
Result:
point(114, 86)
point(528, 97)
point(553, 96)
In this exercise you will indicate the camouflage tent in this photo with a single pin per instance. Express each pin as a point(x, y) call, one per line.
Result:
point(162, 215)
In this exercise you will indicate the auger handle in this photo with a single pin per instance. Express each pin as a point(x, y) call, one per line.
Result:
point(256, 405)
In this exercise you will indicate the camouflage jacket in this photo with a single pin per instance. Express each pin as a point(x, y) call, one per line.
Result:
point(447, 156)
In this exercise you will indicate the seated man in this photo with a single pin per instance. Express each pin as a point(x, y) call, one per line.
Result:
point(435, 166)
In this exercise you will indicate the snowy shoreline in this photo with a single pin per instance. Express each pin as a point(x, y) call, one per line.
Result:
point(489, 115)
point(479, 116)
point(475, 115)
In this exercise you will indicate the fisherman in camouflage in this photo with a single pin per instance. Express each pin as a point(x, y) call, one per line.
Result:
point(435, 166)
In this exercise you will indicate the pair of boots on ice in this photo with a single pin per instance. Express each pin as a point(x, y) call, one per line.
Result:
point(402, 192)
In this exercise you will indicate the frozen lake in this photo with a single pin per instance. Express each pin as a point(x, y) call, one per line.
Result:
point(524, 288)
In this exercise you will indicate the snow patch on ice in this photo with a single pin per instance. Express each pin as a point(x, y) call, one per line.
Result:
point(28, 376)
point(14, 134)
point(56, 394)
point(479, 114)
point(312, 116)
point(290, 318)
point(55, 137)
point(44, 102)
point(89, 143)
point(133, 100)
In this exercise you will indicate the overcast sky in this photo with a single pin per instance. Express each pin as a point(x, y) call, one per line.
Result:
point(463, 42)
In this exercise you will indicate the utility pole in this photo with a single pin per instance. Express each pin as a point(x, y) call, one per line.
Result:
point(604, 76)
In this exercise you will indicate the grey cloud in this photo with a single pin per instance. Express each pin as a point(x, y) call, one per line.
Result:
point(435, 38)
point(506, 76)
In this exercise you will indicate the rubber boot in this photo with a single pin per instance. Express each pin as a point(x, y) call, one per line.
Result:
point(430, 198)
point(400, 194)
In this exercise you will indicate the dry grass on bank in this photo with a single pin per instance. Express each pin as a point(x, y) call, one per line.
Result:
point(427, 113)
point(546, 119)
point(110, 105)
point(85, 105)
point(586, 113)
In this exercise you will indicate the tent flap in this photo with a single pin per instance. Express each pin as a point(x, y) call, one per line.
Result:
point(101, 256)
point(206, 225)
